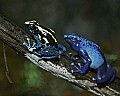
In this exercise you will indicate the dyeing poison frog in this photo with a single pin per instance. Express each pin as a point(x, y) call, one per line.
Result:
point(92, 58)
point(45, 45)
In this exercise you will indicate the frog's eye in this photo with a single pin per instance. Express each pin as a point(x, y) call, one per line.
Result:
point(30, 26)
point(74, 39)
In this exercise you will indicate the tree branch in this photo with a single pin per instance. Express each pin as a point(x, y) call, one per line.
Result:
point(14, 37)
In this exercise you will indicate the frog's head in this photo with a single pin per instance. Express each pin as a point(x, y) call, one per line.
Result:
point(74, 40)
point(31, 25)
point(47, 35)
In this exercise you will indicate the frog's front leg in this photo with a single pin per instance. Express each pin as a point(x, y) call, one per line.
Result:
point(73, 57)
point(87, 61)
point(33, 47)
point(105, 74)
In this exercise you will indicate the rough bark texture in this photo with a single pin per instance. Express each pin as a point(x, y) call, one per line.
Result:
point(14, 37)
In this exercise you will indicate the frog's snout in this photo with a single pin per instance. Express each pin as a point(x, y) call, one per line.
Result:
point(65, 36)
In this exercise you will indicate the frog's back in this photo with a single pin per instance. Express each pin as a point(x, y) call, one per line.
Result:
point(93, 51)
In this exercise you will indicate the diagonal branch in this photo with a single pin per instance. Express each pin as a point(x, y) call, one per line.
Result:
point(14, 37)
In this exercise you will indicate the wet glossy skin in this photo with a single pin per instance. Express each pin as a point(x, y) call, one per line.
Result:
point(92, 57)
point(45, 45)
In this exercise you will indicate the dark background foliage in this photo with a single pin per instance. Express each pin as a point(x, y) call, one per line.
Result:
point(96, 20)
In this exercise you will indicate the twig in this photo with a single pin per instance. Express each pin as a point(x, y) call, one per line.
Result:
point(6, 66)
point(8, 77)
point(5, 60)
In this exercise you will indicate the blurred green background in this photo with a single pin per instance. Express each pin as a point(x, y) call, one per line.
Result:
point(97, 20)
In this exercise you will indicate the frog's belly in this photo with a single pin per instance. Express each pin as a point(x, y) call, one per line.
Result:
point(96, 58)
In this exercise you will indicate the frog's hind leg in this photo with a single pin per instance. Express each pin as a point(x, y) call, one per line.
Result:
point(49, 52)
point(105, 74)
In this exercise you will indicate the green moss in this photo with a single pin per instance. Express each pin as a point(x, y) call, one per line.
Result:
point(33, 76)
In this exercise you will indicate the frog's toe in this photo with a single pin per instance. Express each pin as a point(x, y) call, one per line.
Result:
point(33, 44)
point(74, 71)
point(31, 49)
point(28, 41)
point(76, 68)
point(114, 75)
point(79, 65)
point(26, 45)
point(72, 64)
point(94, 79)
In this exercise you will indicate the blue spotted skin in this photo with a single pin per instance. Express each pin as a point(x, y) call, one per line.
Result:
point(92, 57)
point(50, 52)
point(46, 45)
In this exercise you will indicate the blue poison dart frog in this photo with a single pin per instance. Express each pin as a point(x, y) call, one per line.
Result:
point(45, 45)
point(92, 57)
